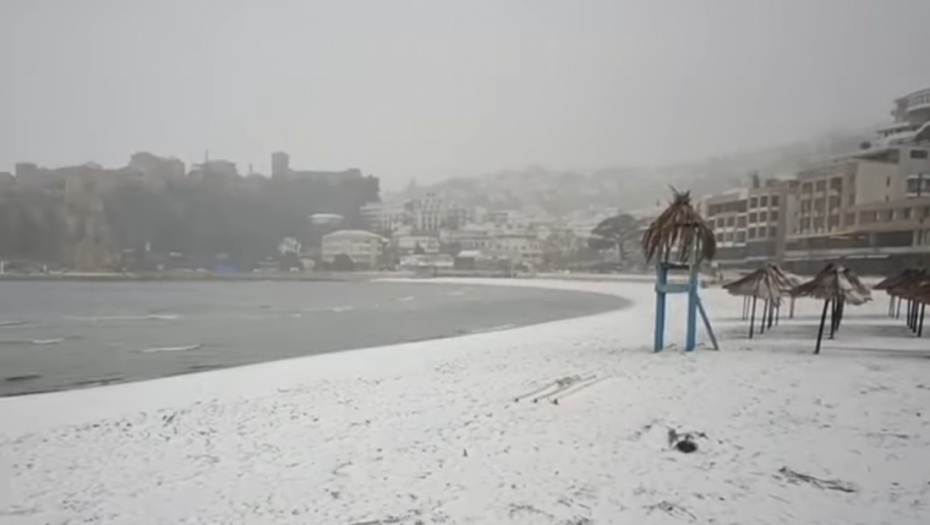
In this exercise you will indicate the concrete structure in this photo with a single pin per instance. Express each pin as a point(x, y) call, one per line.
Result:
point(727, 215)
point(281, 169)
point(873, 205)
point(407, 244)
point(364, 248)
point(519, 248)
point(751, 224)
point(280, 165)
point(158, 169)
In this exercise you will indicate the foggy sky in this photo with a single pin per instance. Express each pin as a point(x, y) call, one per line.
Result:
point(429, 89)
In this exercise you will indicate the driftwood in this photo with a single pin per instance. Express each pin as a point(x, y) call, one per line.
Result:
point(826, 484)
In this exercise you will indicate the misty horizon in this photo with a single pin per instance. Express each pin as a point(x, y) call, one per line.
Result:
point(411, 90)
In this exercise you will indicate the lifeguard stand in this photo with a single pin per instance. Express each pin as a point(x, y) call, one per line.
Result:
point(692, 287)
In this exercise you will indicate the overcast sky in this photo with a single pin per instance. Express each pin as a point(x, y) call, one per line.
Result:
point(429, 89)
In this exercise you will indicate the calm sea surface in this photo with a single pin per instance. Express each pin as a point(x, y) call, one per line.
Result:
point(62, 335)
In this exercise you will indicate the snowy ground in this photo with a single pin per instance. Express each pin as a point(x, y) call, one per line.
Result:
point(429, 432)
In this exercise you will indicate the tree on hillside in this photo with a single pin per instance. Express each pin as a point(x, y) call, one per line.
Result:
point(614, 233)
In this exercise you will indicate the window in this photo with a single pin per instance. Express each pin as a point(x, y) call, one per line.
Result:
point(888, 215)
point(821, 185)
point(741, 221)
point(805, 224)
point(818, 204)
point(753, 217)
point(730, 221)
point(836, 183)
point(887, 182)
point(919, 154)
point(763, 201)
point(774, 200)
point(761, 233)
point(728, 237)
point(752, 233)
point(905, 213)
point(773, 232)
point(763, 217)
point(753, 202)
point(740, 236)
point(773, 215)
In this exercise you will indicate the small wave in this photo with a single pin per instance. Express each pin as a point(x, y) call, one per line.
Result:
point(336, 309)
point(186, 348)
point(493, 329)
point(37, 342)
point(404, 299)
point(44, 342)
point(22, 378)
point(148, 317)
point(12, 323)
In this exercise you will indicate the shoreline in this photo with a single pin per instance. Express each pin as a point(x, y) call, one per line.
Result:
point(126, 342)
point(434, 432)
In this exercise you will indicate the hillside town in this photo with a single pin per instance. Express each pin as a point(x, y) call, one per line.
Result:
point(867, 208)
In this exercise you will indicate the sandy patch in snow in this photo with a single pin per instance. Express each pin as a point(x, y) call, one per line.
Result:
point(429, 432)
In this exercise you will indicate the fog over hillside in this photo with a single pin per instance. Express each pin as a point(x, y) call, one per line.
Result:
point(628, 188)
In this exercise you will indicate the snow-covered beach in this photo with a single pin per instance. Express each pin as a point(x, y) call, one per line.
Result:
point(430, 432)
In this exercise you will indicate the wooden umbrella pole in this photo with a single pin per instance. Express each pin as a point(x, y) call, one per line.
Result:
point(791, 309)
point(920, 325)
point(765, 313)
point(752, 317)
point(823, 319)
point(832, 319)
point(771, 313)
point(777, 313)
point(841, 310)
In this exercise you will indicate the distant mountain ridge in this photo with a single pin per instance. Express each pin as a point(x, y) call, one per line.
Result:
point(559, 192)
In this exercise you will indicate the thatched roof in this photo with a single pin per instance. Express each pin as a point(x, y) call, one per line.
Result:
point(911, 284)
point(682, 230)
point(834, 283)
point(906, 279)
point(768, 283)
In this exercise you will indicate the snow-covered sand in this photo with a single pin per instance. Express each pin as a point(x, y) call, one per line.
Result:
point(429, 432)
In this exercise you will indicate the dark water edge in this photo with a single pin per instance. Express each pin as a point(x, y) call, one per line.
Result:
point(67, 335)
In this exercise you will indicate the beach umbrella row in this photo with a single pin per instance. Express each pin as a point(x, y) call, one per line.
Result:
point(836, 286)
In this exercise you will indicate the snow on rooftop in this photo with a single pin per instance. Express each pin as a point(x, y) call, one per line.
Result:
point(430, 432)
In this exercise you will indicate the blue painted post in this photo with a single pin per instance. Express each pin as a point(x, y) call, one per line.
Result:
point(691, 340)
point(661, 281)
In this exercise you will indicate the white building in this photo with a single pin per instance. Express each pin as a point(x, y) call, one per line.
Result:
point(409, 243)
point(364, 248)
point(517, 247)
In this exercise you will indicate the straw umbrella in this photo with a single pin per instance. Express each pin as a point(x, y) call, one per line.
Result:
point(897, 285)
point(679, 228)
point(912, 285)
point(834, 285)
point(768, 283)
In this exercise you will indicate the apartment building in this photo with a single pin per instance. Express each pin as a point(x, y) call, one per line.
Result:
point(364, 248)
point(727, 214)
point(750, 224)
point(870, 209)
